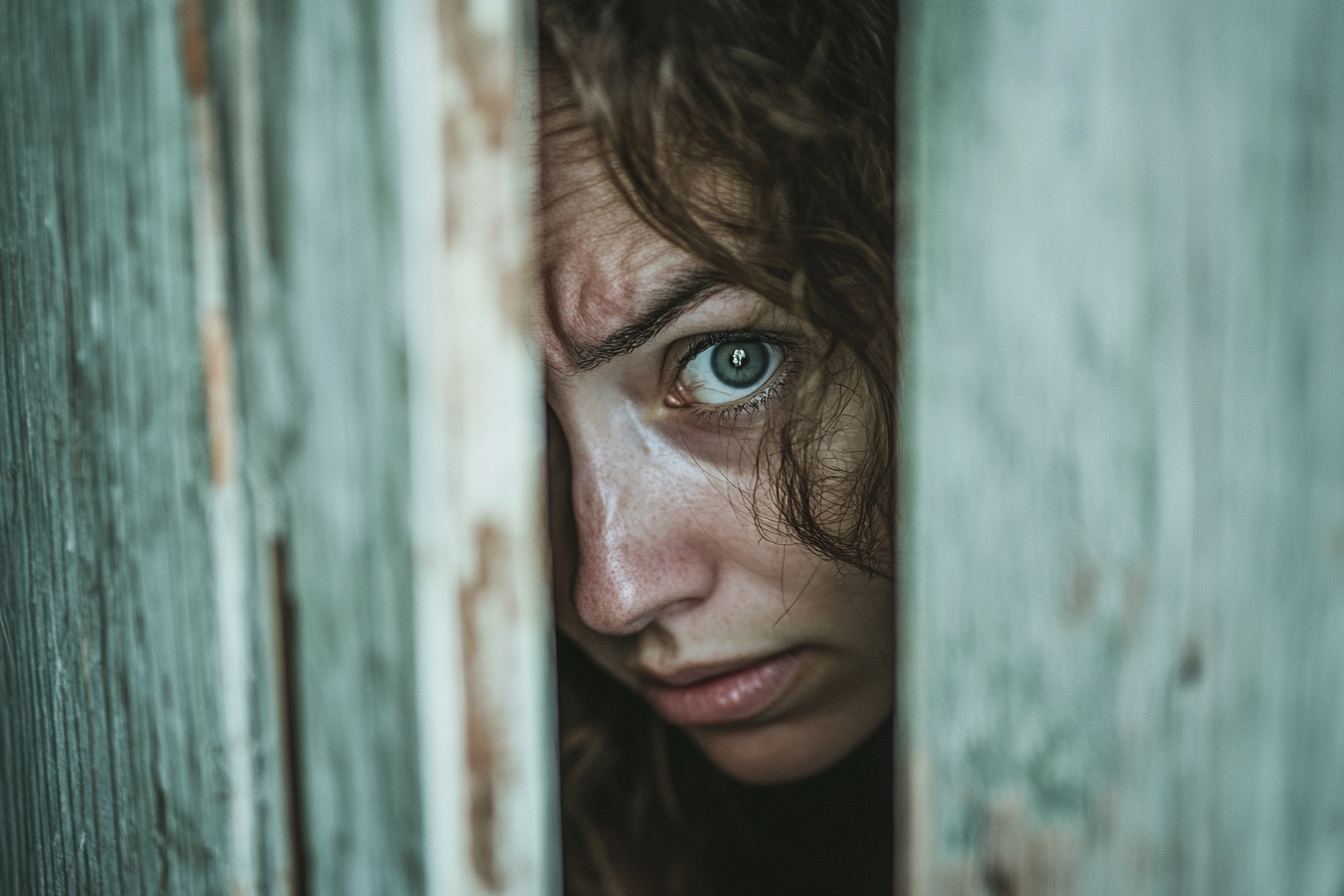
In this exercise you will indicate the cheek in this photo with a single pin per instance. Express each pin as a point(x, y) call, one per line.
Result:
point(719, 450)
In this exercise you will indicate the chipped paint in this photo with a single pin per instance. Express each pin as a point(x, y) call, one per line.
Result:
point(477, 448)
point(193, 47)
point(485, 719)
point(228, 514)
point(217, 361)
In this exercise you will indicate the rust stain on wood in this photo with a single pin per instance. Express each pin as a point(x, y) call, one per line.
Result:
point(195, 51)
point(484, 728)
point(454, 150)
point(486, 125)
point(217, 359)
point(1015, 855)
point(486, 64)
point(1023, 859)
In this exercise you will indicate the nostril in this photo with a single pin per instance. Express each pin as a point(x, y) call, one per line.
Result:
point(610, 607)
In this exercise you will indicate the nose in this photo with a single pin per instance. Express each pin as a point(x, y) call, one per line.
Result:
point(630, 546)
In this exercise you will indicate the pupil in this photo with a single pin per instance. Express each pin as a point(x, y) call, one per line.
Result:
point(739, 364)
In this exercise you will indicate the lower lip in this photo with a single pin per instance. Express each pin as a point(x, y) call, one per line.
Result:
point(732, 697)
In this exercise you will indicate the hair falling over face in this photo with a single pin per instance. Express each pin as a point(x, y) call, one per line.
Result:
point(719, 225)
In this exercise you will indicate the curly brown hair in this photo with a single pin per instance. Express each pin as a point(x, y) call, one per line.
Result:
point(792, 102)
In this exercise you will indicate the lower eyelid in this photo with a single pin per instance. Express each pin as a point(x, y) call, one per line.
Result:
point(754, 402)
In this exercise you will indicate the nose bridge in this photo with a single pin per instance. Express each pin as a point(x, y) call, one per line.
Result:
point(637, 554)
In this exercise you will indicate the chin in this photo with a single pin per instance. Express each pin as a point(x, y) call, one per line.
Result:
point(784, 751)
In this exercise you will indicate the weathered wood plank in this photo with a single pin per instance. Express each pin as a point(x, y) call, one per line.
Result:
point(112, 752)
point(483, 632)
point(321, 342)
point(1123, 544)
point(246, 369)
point(393, 410)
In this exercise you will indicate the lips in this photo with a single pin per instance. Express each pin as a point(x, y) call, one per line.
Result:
point(721, 692)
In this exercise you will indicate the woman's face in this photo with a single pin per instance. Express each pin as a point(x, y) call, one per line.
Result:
point(661, 380)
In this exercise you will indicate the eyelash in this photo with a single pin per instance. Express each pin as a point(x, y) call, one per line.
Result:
point(753, 402)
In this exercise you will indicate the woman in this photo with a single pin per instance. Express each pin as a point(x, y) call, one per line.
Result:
point(720, 342)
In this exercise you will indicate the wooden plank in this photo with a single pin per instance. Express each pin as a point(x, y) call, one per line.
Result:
point(392, 402)
point(483, 630)
point(321, 344)
point(1123, 542)
point(275, 614)
point(112, 742)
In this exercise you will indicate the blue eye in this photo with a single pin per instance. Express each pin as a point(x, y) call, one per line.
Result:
point(730, 371)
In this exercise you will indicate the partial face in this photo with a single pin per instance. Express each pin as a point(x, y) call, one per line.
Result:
point(661, 380)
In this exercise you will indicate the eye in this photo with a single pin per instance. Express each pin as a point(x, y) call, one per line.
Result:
point(729, 371)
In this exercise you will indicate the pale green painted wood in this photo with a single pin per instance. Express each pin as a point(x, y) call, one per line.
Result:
point(1123, 520)
point(339, 139)
point(321, 338)
point(187, 555)
point(112, 777)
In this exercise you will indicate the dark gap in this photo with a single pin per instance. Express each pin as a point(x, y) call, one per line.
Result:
point(283, 614)
point(999, 882)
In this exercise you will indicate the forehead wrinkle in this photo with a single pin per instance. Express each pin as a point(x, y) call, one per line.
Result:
point(645, 314)
point(681, 293)
point(567, 293)
point(609, 282)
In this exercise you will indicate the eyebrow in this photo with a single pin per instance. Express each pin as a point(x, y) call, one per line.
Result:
point(669, 302)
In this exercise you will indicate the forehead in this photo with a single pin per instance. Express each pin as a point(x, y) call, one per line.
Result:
point(602, 266)
point(599, 261)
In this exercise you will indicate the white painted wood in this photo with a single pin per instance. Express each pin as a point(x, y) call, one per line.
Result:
point(483, 631)
point(228, 518)
point(1123, 519)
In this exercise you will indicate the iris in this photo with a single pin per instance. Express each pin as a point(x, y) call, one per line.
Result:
point(740, 365)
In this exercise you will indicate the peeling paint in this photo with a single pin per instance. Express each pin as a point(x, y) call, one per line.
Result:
point(484, 720)
point(487, 745)
point(194, 49)
point(229, 524)
point(217, 360)
point(1020, 858)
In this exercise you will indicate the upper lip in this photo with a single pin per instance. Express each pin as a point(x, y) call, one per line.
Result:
point(699, 672)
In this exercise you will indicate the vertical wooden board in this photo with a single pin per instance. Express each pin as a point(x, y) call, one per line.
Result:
point(421, 717)
point(112, 775)
point(483, 633)
point(1122, 573)
point(321, 334)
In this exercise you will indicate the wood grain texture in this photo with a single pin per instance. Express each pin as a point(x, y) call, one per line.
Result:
point(214, 280)
point(483, 629)
point(112, 767)
point(381, 216)
point(321, 340)
point(1123, 542)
